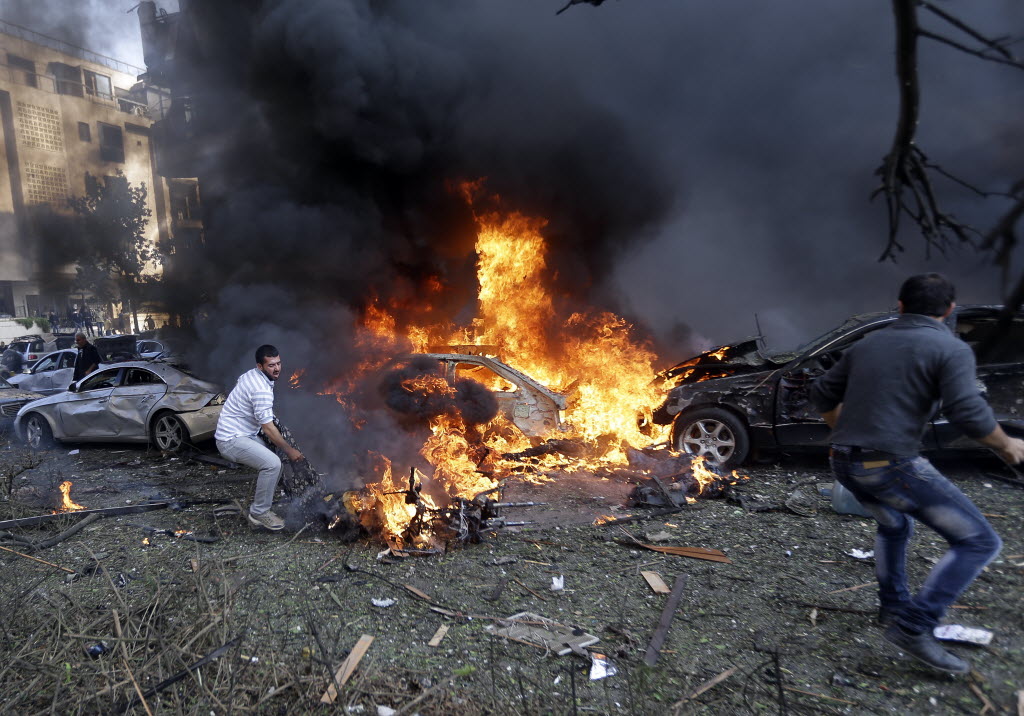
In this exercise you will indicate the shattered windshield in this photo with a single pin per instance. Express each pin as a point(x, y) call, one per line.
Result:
point(848, 325)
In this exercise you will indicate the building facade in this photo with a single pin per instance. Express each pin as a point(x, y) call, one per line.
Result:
point(67, 113)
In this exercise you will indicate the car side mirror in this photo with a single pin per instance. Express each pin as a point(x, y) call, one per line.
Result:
point(73, 388)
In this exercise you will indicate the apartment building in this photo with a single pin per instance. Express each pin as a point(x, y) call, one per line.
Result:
point(66, 112)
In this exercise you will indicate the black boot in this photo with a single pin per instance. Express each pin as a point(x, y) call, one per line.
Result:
point(925, 648)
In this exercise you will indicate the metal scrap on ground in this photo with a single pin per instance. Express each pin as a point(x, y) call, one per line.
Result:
point(535, 630)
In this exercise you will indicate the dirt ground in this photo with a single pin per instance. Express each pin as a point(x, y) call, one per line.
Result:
point(257, 623)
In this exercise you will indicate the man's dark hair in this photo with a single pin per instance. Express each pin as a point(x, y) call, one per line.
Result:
point(264, 352)
point(929, 294)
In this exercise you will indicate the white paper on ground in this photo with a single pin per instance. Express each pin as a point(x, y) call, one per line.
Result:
point(557, 583)
point(861, 554)
point(382, 602)
point(601, 666)
point(958, 632)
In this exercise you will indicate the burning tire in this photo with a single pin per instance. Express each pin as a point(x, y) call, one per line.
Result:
point(38, 434)
point(169, 433)
point(713, 433)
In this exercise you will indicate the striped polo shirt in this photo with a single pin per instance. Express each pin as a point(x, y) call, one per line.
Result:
point(249, 405)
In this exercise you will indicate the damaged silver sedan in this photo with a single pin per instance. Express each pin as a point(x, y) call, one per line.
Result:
point(137, 401)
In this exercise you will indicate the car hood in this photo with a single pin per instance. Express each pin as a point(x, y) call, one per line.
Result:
point(17, 394)
point(744, 356)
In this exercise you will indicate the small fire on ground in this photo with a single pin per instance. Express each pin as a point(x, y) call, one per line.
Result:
point(66, 503)
point(577, 399)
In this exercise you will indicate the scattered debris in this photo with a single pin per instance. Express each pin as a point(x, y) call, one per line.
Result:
point(712, 555)
point(438, 635)
point(601, 667)
point(347, 668)
point(558, 583)
point(706, 686)
point(535, 630)
point(958, 632)
point(656, 583)
point(861, 554)
point(498, 561)
point(383, 603)
point(651, 657)
point(498, 589)
point(801, 503)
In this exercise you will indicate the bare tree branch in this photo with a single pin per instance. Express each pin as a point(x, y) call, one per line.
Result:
point(970, 50)
point(997, 45)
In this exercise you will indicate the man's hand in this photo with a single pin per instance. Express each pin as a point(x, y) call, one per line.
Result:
point(274, 435)
point(1010, 449)
point(1013, 452)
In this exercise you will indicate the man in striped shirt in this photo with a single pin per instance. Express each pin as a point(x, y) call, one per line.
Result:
point(248, 410)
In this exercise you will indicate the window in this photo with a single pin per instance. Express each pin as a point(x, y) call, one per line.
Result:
point(68, 79)
point(138, 376)
point(83, 132)
point(24, 70)
point(98, 85)
point(111, 143)
point(103, 379)
point(483, 374)
point(976, 329)
point(45, 364)
point(67, 360)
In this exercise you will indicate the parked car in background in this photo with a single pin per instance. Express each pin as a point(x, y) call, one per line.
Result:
point(12, 399)
point(735, 399)
point(50, 374)
point(20, 352)
point(137, 401)
point(60, 341)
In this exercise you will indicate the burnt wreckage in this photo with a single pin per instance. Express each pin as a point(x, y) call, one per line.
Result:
point(738, 398)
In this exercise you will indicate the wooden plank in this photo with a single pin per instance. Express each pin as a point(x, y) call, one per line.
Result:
point(651, 657)
point(422, 595)
point(707, 685)
point(712, 555)
point(656, 582)
point(438, 635)
point(348, 666)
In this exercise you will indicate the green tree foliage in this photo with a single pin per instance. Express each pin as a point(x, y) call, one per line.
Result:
point(114, 251)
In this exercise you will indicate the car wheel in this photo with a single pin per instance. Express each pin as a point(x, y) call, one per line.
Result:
point(38, 434)
point(169, 433)
point(713, 433)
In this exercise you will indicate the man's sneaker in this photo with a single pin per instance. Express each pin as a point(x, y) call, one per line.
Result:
point(267, 521)
point(926, 649)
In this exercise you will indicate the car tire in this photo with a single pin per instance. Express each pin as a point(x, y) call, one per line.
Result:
point(38, 434)
point(714, 433)
point(169, 433)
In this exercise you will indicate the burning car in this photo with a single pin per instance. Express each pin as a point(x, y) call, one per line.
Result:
point(533, 408)
point(136, 401)
point(735, 399)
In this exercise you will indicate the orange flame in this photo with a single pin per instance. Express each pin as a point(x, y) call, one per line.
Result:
point(66, 503)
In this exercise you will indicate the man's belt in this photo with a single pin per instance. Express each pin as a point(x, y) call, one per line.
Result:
point(869, 458)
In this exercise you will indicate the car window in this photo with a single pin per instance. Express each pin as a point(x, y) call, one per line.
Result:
point(975, 330)
point(4, 385)
point(103, 379)
point(485, 375)
point(47, 363)
point(67, 360)
point(138, 376)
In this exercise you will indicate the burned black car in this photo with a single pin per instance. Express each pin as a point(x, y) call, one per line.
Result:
point(729, 402)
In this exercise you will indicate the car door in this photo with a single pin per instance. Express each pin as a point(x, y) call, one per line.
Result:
point(41, 378)
point(65, 373)
point(84, 413)
point(1000, 370)
point(797, 423)
point(131, 402)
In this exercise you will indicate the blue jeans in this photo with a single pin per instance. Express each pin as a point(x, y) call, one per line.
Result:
point(906, 488)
